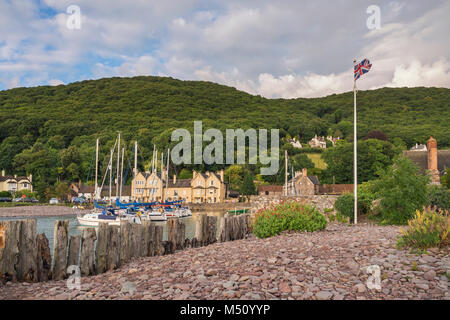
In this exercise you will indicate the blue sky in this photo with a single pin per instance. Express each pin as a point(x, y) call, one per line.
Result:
point(285, 48)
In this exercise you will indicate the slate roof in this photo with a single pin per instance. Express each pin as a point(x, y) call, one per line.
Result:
point(181, 183)
point(420, 158)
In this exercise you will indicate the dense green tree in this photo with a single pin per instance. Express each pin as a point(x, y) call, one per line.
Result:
point(373, 155)
point(301, 161)
point(62, 190)
point(402, 189)
point(234, 176)
point(147, 109)
point(248, 186)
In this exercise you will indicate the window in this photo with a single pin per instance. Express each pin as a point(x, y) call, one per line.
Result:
point(212, 182)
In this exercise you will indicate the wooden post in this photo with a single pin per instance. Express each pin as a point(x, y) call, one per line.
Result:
point(27, 266)
point(148, 238)
point(211, 230)
point(44, 258)
point(125, 231)
point(221, 237)
point(9, 252)
point(100, 250)
point(113, 248)
point(157, 240)
point(176, 231)
point(198, 228)
point(74, 251)
point(60, 238)
point(136, 240)
point(88, 238)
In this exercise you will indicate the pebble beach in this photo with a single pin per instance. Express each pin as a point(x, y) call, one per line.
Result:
point(325, 265)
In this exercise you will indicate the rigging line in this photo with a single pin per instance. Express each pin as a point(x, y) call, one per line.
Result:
point(107, 168)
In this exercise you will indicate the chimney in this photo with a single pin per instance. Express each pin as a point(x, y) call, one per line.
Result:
point(194, 173)
point(15, 176)
point(221, 175)
point(432, 160)
point(305, 172)
point(30, 177)
point(174, 178)
point(3, 173)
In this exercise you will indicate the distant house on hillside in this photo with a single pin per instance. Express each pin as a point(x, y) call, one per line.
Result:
point(295, 143)
point(318, 142)
point(419, 147)
point(333, 139)
point(15, 183)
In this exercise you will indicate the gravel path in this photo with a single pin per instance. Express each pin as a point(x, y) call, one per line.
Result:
point(38, 211)
point(330, 264)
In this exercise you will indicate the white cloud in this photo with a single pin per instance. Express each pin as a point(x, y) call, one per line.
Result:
point(55, 82)
point(290, 49)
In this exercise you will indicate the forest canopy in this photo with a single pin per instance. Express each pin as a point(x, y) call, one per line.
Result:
point(50, 131)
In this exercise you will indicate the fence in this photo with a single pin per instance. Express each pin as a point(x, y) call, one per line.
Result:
point(25, 255)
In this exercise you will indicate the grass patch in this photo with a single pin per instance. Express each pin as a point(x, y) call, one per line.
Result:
point(316, 158)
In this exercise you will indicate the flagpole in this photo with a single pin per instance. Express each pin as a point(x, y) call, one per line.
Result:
point(355, 144)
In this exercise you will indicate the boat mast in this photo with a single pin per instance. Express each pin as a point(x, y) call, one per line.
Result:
point(167, 174)
point(110, 175)
point(118, 167)
point(162, 184)
point(135, 168)
point(96, 171)
point(121, 175)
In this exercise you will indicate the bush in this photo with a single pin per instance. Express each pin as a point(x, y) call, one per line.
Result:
point(427, 229)
point(439, 197)
point(25, 192)
point(5, 194)
point(290, 215)
point(402, 190)
point(345, 204)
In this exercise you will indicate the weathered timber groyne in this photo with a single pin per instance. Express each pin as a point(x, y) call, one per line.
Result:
point(25, 256)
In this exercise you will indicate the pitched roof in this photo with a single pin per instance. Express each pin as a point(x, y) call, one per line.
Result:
point(8, 177)
point(420, 158)
point(314, 179)
point(181, 183)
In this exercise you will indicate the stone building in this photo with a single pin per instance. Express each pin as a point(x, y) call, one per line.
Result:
point(432, 160)
point(295, 143)
point(14, 183)
point(206, 187)
point(270, 190)
point(302, 184)
point(318, 142)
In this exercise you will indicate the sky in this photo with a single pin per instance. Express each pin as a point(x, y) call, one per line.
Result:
point(276, 49)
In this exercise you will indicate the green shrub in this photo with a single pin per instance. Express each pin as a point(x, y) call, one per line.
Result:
point(427, 229)
point(439, 197)
point(5, 194)
point(402, 190)
point(345, 204)
point(290, 215)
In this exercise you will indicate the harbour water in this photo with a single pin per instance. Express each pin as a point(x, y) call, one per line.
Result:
point(46, 225)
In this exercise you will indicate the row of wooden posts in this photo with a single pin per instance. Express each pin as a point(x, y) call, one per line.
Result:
point(25, 255)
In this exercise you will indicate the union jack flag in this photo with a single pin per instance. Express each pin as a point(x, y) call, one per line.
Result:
point(361, 68)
